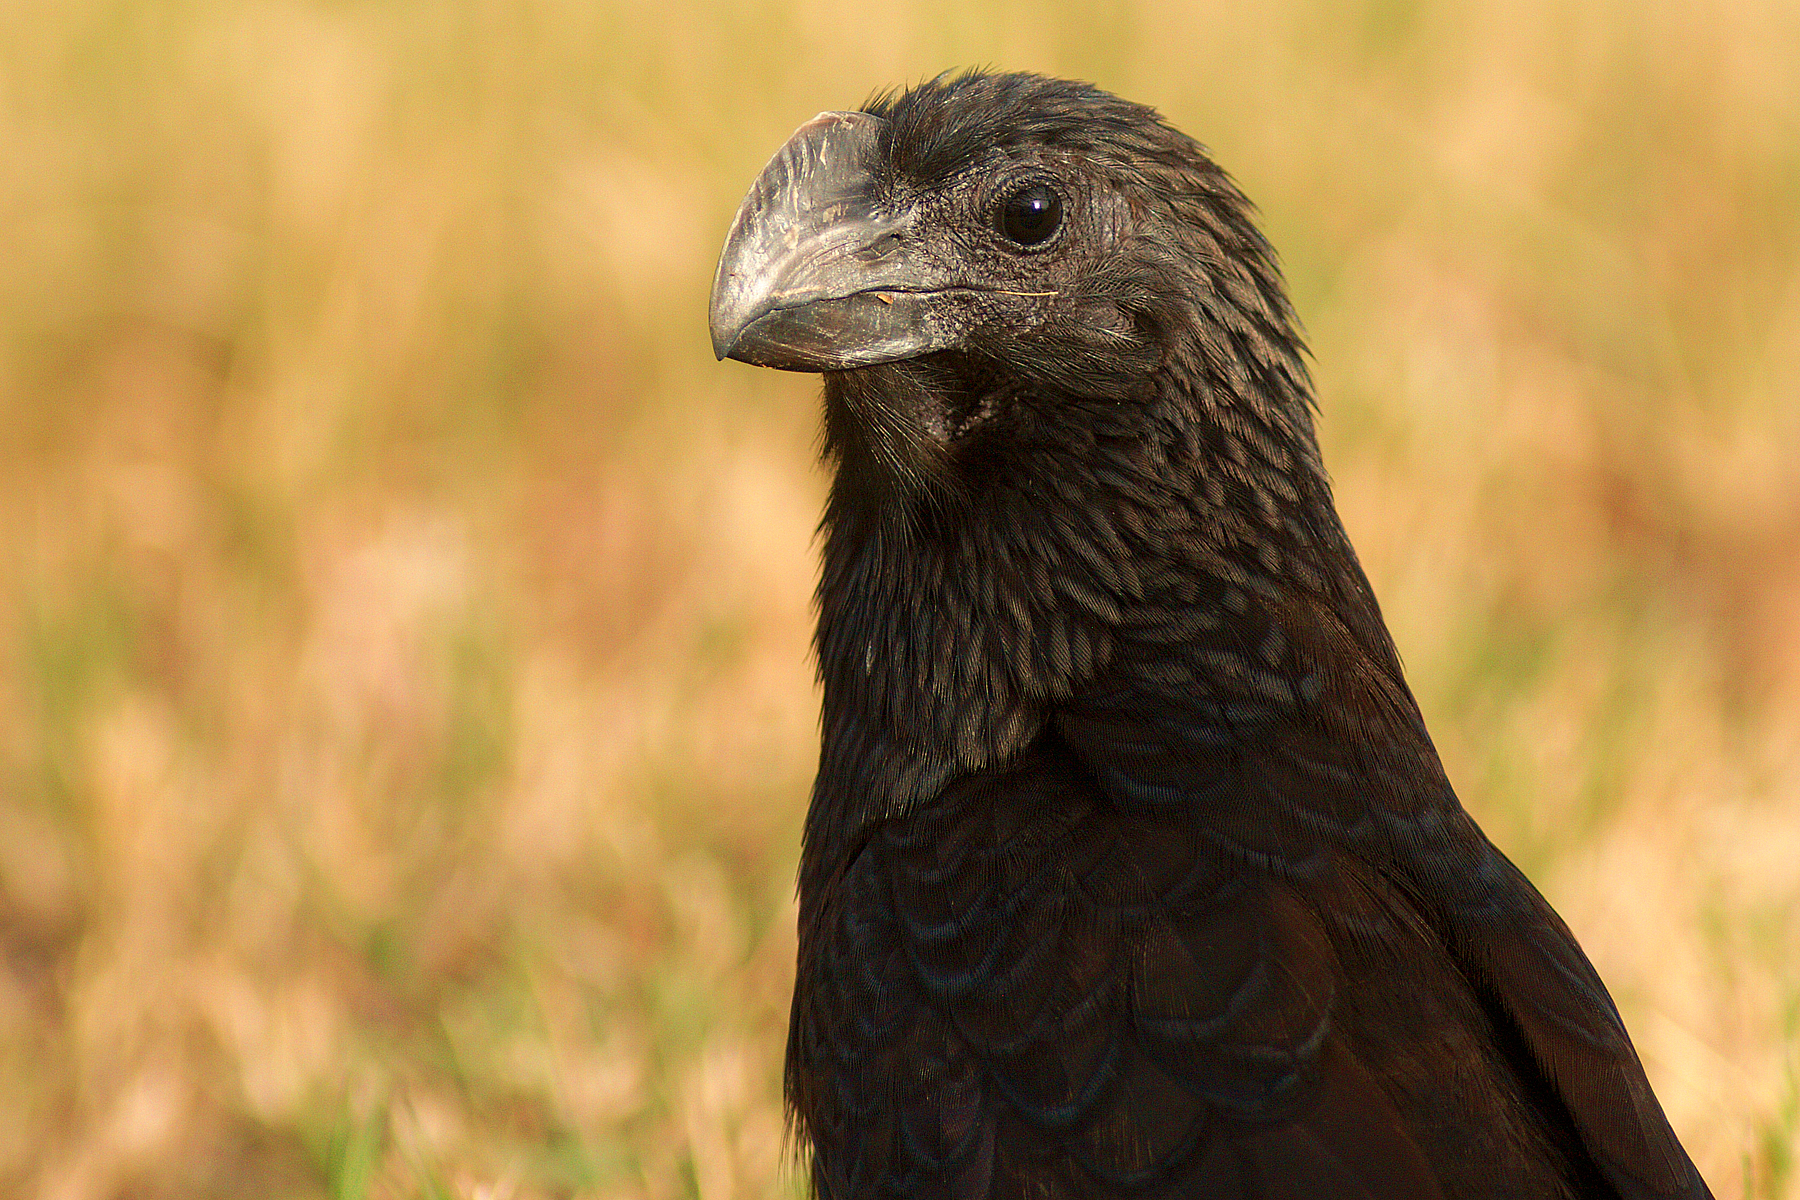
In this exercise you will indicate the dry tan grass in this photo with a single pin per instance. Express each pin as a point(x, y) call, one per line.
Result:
point(404, 707)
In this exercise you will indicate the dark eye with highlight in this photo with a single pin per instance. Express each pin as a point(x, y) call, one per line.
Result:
point(1030, 215)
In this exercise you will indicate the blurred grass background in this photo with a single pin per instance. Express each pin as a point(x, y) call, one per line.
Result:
point(405, 712)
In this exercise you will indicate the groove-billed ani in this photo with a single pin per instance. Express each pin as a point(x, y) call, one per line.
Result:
point(1130, 868)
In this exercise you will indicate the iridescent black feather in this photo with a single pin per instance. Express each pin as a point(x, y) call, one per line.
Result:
point(1131, 870)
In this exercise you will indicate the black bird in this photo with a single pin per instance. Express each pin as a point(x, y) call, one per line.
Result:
point(1130, 869)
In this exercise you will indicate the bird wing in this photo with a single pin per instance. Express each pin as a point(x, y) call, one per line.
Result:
point(1343, 798)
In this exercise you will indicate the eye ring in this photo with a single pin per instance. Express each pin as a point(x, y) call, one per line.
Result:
point(1030, 216)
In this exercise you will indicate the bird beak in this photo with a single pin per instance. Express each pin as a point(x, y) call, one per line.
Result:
point(814, 275)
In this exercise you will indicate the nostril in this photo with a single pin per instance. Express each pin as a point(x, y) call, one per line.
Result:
point(880, 248)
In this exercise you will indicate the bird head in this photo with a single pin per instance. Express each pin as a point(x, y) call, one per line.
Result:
point(981, 259)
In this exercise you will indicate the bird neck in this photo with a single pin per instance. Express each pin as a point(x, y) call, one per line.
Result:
point(954, 620)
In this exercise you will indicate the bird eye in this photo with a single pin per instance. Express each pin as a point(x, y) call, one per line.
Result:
point(1030, 215)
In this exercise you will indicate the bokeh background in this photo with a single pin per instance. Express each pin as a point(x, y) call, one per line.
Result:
point(405, 705)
